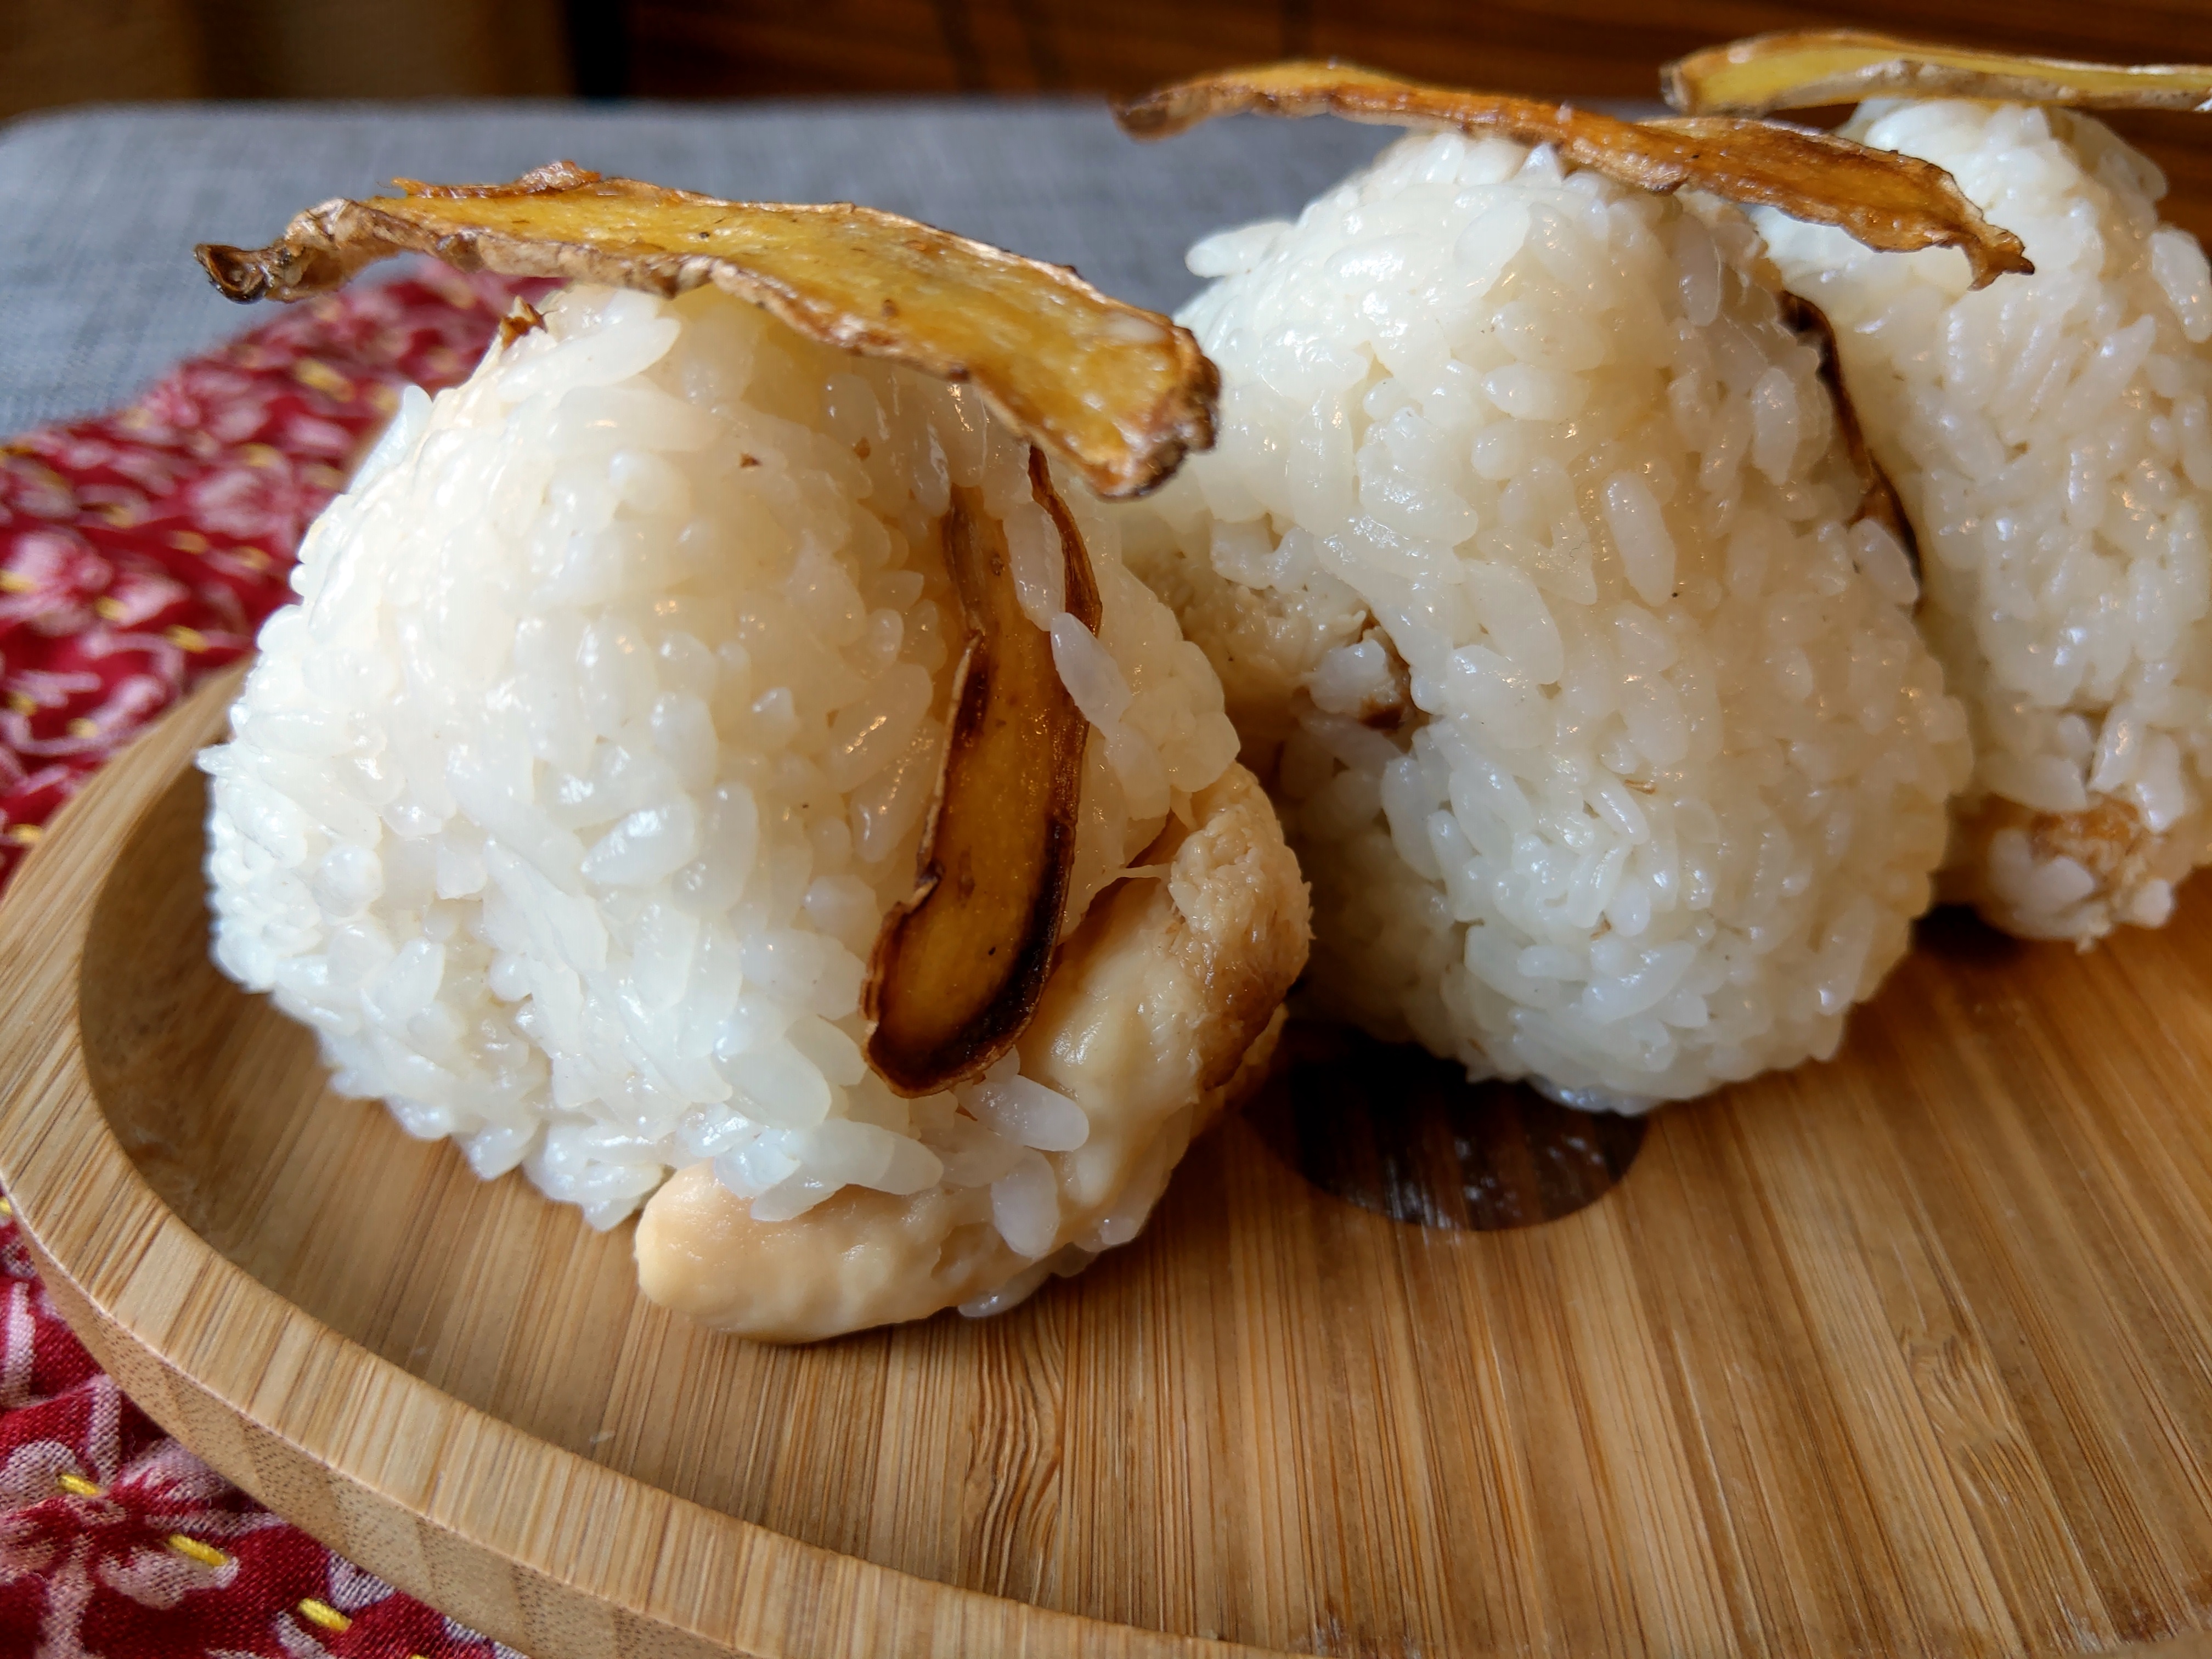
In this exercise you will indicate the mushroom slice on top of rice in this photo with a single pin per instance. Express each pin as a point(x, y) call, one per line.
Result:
point(720, 741)
point(2052, 441)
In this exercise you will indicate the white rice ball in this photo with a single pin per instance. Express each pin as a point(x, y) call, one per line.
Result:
point(566, 803)
point(1605, 738)
point(2051, 438)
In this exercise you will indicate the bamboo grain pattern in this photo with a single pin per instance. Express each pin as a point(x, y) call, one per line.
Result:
point(1908, 1354)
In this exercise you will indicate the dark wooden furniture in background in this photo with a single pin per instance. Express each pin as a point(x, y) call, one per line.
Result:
point(1610, 48)
point(53, 53)
point(1587, 48)
point(59, 52)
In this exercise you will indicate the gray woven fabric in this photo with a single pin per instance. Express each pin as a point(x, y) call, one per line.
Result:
point(98, 208)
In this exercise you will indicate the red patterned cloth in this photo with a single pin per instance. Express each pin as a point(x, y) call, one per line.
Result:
point(139, 552)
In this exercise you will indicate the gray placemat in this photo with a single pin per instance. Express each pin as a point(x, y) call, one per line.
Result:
point(98, 208)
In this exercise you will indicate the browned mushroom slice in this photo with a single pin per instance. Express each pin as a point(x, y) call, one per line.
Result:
point(1798, 68)
point(957, 969)
point(1878, 497)
point(1120, 392)
point(1885, 200)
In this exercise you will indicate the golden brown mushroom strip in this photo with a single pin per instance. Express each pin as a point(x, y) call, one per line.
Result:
point(1878, 497)
point(1800, 68)
point(1121, 393)
point(1885, 200)
point(957, 969)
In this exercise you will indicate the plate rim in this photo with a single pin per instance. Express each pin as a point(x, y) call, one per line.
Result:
point(525, 1541)
point(441, 1499)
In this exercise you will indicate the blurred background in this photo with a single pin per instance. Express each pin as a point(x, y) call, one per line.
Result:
point(55, 53)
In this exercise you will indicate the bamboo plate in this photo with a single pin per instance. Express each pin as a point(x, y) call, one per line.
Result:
point(1908, 1353)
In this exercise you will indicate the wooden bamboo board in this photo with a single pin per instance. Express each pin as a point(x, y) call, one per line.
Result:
point(1908, 1353)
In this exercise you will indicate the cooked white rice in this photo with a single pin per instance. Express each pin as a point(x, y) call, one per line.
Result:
point(566, 803)
point(1674, 779)
point(2051, 437)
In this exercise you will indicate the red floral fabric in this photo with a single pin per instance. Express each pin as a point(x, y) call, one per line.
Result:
point(139, 552)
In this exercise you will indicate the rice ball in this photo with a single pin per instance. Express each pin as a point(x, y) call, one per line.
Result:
point(1530, 559)
point(566, 803)
point(2051, 439)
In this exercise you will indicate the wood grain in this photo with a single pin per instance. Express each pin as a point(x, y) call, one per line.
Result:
point(1909, 1354)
